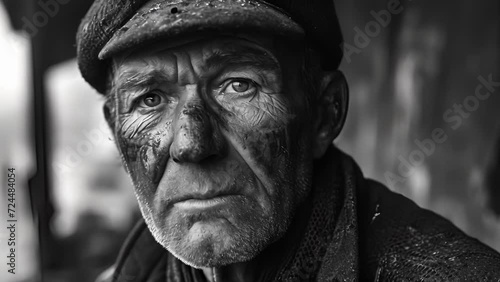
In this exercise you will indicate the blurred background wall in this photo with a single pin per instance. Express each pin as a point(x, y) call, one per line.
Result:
point(417, 123)
point(419, 72)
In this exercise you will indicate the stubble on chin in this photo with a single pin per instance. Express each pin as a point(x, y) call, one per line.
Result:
point(221, 237)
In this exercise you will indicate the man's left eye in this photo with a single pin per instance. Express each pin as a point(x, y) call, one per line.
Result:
point(150, 100)
point(240, 86)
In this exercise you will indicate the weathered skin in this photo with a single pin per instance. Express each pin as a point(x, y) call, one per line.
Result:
point(212, 118)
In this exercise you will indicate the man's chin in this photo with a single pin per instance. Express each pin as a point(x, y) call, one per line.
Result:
point(213, 244)
point(218, 236)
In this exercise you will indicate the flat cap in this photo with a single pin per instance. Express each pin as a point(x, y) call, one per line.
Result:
point(113, 26)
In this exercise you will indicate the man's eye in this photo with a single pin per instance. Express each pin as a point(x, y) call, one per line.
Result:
point(150, 100)
point(240, 86)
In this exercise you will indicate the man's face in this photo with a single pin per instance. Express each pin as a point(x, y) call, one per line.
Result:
point(215, 136)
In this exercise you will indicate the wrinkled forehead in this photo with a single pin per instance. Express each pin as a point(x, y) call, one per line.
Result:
point(204, 53)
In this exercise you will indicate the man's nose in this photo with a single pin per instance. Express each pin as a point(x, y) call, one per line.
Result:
point(195, 137)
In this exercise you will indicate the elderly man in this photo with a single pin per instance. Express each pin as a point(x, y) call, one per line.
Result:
point(224, 112)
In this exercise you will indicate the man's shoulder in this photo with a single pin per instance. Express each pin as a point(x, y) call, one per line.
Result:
point(400, 240)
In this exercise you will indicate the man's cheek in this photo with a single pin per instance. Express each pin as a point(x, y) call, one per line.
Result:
point(264, 110)
point(267, 145)
point(261, 126)
point(144, 142)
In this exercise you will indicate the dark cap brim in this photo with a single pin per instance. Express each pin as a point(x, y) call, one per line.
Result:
point(163, 19)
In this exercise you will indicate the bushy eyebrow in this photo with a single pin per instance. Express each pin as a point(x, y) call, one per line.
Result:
point(242, 56)
point(134, 78)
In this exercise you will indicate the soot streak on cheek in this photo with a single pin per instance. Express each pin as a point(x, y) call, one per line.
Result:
point(261, 126)
point(155, 157)
point(267, 148)
point(143, 144)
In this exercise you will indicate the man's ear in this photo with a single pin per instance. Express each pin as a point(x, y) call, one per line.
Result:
point(331, 111)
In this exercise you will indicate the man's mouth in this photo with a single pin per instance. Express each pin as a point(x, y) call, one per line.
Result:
point(205, 203)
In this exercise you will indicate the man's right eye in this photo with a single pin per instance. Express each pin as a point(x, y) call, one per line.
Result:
point(150, 100)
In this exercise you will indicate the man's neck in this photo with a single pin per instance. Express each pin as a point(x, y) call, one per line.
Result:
point(264, 266)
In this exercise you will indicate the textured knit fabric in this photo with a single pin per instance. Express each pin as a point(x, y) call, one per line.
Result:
point(357, 230)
